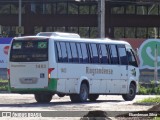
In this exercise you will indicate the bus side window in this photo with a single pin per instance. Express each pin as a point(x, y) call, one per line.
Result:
point(104, 58)
point(79, 52)
point(114, 54)
point(74, 52)
point(64, 52)
point(59, 53)
point(84, 53)
point(122, 54)
point(131, 58)
point(69, 52)
point(90, 53)
point(94, 50)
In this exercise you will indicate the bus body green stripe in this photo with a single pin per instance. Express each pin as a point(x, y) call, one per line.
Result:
point(52, 87)
point(52, 84)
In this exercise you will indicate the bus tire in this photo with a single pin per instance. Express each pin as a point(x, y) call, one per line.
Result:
point(43, 98)
point(82, 96)
point(132, 93)
point(61, 95)
point(93, 97)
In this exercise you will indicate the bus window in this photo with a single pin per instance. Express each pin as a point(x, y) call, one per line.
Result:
point(59, 52)
point(74, 52)
point(122, 54)
point(69, 52)
point(131, 58)
point(29, 51)
point(84, 53)
point(104, 54)
point(94, 51)
point(90, 54)
point(79, 52)
point(114, 54)
point(64, 52)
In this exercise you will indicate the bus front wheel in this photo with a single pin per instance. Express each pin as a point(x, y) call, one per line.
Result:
point(132, 93)
point(82, 96)
point(43, 98)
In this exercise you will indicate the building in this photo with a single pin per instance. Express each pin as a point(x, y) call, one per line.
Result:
point(123, 19)
point(132, 20)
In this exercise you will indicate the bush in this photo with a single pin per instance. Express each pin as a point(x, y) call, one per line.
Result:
point(152, 89)
point(4, 88)
point(142, 90)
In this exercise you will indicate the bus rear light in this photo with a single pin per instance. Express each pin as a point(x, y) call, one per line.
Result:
point(49, 72)
point(8, 71)
point(8, 74)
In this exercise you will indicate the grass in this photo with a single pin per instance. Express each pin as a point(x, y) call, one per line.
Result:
point(3, 88)
point(156, 118)
point(3, 85)
point(3, 81)
point(150, 100)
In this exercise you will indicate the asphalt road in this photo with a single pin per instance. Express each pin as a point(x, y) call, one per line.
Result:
point(59, 108)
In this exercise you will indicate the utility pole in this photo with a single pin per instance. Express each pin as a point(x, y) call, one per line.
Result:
point(101, 18)
point(20, 16)
point(156, 66)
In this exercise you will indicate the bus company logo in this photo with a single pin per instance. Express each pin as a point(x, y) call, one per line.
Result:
point(6, 49)
point(133, 71)
point(147, 53)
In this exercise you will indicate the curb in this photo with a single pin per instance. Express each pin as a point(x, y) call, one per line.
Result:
point(147, 104)
point(4, 92)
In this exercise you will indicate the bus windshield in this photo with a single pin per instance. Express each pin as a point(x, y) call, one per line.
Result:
point(29, 51)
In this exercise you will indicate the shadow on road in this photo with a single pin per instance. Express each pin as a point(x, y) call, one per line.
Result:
point(54, 103)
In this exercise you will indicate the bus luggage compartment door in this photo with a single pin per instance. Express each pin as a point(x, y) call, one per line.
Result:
point(29, 75)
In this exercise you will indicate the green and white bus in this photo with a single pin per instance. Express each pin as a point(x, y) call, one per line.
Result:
point(79, 67)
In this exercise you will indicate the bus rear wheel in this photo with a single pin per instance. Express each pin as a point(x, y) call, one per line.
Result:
point(43, 98)
point(132, 93)
point(93, 97)
point(61, 95)
point(82, 96)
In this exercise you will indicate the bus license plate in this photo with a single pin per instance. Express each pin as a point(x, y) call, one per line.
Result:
point(31, 80)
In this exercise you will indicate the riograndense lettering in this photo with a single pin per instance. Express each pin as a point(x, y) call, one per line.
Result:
point(94, 71)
